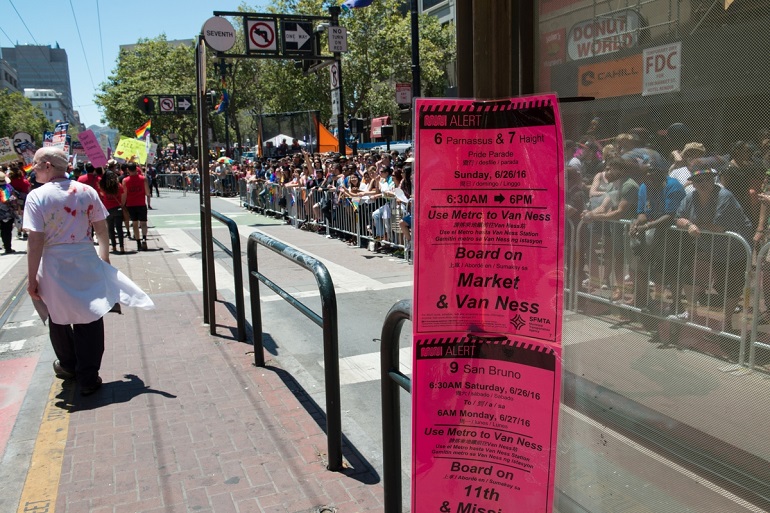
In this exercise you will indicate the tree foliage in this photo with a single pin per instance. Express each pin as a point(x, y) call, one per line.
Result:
point(151, 67)
point(379, 55)
point(18, 114)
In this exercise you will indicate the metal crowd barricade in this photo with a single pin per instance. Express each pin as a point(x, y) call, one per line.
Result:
point(327, 321)
point(661, 279)
point(759, 285)
point(173, 182)
point(343, 217)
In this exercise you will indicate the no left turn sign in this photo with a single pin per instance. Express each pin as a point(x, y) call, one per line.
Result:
point(167, 105)
point(261, 35)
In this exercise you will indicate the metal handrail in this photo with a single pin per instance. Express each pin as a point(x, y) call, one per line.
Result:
point(327, 321)
point(235, 253)
point(392, 378)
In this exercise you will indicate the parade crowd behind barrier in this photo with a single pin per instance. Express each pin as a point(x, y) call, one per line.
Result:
point(679, 244)
point(672, 243)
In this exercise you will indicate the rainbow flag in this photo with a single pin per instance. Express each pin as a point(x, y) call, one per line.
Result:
point(142, 130)
point(28, 168)
point(356, 4)
point(6, 191)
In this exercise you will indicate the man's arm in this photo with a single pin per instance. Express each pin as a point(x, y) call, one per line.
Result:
point(102, 237)
point(34, 255)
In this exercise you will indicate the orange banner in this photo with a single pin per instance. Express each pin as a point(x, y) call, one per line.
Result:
point(619, 77)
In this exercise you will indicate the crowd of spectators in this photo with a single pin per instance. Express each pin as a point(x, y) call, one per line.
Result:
point(697, 191)
point(320, 181)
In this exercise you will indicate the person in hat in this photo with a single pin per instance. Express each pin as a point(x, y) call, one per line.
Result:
point(679, 169)
point(71, 285)
point(711, 208)
point(620, 202)
point(659, 198)
point(8, 205)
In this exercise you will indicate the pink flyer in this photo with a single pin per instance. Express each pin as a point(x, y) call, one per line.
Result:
point(485, 424)
point(488, 297)
point(489, 198)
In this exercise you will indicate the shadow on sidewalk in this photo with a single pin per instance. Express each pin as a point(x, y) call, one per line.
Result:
point(357, 467)
point(113, 392)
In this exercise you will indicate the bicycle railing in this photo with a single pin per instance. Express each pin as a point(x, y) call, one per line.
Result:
point(391, 379)
point(676, 262)
point(327, 321)
point(235, 254)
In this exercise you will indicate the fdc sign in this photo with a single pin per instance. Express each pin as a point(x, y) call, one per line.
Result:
point(662, 69)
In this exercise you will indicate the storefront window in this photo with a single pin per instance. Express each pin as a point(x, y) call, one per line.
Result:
point(667, 331)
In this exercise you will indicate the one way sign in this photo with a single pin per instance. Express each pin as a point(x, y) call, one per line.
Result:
point(296, 37)
point(184, 104)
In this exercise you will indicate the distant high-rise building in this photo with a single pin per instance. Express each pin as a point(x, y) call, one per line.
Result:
point(42, 67)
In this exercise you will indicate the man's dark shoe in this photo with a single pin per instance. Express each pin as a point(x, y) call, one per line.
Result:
point(61, 372)
point(90, 389)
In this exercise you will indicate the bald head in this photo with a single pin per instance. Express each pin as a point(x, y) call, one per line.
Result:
point(55, 156)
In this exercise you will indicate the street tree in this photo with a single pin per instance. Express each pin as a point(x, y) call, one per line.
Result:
point(379, 56)
point(18, 114)
point(151, 67)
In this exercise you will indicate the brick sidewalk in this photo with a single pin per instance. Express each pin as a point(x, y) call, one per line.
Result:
point(186, 423)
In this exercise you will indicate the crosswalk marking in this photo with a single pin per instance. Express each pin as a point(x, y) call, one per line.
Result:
point(16, 345)
point(345, 280)
point(177, 239)
point(21, 324)
point(366, 367)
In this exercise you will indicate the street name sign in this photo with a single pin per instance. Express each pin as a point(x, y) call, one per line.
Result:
point(218, 33)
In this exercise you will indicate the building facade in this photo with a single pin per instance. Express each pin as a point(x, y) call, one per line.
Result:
point(43, 68)
point(9, 81)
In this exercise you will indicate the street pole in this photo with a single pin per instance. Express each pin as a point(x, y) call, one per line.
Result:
point(334, 11)
point(207, 248)
point(415, 51)
point(223, 76)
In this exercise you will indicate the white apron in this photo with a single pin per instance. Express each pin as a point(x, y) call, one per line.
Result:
point(78, 287)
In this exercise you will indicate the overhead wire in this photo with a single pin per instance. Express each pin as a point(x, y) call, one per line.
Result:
point(101, 40)
point(82, 47)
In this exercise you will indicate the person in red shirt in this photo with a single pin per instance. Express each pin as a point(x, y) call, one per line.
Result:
point(22, 186)
point(90, 177)
point(113, 196)
point(137, 193)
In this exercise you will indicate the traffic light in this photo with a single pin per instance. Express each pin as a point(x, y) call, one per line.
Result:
point(211, 99)
point(146, 104)
point(356, 126)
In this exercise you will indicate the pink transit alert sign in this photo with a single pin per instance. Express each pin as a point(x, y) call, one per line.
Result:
point(488, 230)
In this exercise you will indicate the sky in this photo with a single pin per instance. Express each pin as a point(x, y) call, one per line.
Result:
point(91, 31)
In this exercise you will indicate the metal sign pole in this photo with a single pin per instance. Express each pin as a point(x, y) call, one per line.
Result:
point(207, 250)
